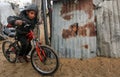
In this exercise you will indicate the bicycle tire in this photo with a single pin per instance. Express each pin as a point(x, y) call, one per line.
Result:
point(5, 52)
point(38, 69)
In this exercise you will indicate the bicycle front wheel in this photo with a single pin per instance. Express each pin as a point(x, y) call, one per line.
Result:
point(9, 51)
point(50, 62)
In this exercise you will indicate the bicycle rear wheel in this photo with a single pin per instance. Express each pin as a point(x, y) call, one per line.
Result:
point(9, 51)
point(50, 62)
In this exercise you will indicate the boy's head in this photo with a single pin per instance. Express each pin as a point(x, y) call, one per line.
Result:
point(31, 14)
point(32, 11)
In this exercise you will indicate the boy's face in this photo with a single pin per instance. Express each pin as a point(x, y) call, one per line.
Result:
point(31, 14)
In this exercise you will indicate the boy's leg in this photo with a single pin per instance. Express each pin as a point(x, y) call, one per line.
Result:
point(29, 47)
point(24, 45)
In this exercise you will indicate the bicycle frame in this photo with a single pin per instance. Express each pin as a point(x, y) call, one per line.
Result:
point(17, 47)
point(36, 44)
point(38, 49)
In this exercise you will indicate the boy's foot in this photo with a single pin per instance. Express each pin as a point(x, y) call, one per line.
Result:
point(27, 59)
point(20, 59)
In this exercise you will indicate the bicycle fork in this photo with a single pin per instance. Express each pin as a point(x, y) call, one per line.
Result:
point(40, 53)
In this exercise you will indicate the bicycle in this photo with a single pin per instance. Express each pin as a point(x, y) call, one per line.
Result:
point(41, 55)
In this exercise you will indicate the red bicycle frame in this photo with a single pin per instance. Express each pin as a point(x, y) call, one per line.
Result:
point(39, 50)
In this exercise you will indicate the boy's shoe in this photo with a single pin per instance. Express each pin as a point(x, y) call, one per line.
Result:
point(20, 59)
point(27, 59)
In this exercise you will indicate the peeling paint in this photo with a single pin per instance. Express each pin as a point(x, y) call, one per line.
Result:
point(88, 29)
point(71, 32)
point(85, 5)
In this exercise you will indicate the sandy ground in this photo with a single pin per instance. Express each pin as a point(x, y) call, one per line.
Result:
point(95, 67)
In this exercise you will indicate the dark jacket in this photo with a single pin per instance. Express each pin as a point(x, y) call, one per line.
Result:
point(23, 30)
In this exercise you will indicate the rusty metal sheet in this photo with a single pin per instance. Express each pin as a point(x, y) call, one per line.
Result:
point(73, 29)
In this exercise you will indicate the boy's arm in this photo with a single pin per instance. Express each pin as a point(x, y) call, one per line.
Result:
point(36, 23)
point(12, 20)
point(21, 32)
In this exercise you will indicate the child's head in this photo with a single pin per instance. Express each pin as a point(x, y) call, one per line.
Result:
point(31, 14)
point(32, 11)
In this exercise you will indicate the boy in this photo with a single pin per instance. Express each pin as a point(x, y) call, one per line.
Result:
point(29, 16)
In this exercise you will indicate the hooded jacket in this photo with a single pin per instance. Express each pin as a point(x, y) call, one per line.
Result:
point(23, 29)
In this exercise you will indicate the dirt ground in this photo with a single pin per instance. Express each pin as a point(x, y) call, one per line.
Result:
point(95, 67)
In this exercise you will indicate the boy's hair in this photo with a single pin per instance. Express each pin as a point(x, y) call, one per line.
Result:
point(32, 7)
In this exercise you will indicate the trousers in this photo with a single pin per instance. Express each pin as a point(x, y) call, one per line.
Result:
point(25, 45)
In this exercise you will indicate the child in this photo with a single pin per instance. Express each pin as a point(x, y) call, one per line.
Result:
point(29, 16)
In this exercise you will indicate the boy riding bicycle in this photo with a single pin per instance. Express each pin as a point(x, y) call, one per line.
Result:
point(27, 16)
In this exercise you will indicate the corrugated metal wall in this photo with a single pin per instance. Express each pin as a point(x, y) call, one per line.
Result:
point(108, 28)
point(73, 29)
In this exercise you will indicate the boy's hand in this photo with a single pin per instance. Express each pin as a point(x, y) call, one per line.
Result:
point(18, 22)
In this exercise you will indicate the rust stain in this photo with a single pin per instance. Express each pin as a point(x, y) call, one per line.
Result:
point(88, 29)
point(71, 32)
point(68, 17)
point(85, 46)
point(82, 31)
point(85, 5)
